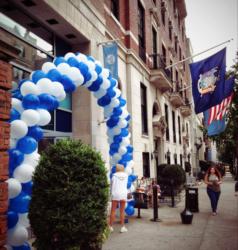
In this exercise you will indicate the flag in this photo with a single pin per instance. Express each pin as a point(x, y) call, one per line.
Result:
point(217, 112)
point(208, 81)
point(110, 58)
point(216, 127)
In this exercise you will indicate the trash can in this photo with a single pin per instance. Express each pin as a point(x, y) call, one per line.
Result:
point(192, 199)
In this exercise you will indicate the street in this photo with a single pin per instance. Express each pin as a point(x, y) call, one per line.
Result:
point(206, 232)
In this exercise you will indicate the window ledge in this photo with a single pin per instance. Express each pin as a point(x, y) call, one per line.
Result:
point(146, 136)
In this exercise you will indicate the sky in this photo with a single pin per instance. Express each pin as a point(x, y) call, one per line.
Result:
point(210, 22)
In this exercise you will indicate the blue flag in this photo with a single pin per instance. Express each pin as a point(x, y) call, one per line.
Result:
point(208, 81)
point(110, 58)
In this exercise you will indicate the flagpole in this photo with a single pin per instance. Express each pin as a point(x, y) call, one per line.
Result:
point(110, 41)
point(172, 65)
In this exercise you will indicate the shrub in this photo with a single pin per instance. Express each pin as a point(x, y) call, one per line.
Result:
point(174, 173)
point(69, 198)
point(160, 169)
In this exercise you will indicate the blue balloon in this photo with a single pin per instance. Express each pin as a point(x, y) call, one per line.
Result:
point(46, 101)
point(104, 101)
point(83, 68)
point(130, 210)
point(59, 60)
point(113, 121)
point(54, 75)
point(17, 94)
point(27, 145)
point(98, 69)
point(68, 84)
point(131, 203)
point(96, 84)
point(16, 157)
point(30, 101)
point(113, 170)
point(73, 62)
point(20, 204)
point(114, 146)
point(12, 219)
point(14, 115)
point(87, 77)
point(124, 132)
point(117, 139)
point(122, 102)
point(25, 246)
point(90, 58)
point(36, 132)
point(126, 157)
point(55, 103)
point(129, 149)
point(122, 162)
point(111, 92)
point(132, 178)
point(128, 118)
point(117, 111)
point(37, 75)
point(27, 187)
point(113, 82)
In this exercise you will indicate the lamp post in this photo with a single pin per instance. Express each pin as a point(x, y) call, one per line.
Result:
point(198, 145)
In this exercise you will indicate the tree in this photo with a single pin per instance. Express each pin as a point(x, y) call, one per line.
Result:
point(69, 198)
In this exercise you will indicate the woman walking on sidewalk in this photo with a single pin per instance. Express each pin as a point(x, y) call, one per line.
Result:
point(119, 196)
point(213, 181)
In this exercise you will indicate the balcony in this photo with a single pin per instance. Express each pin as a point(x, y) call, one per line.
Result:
point(176, 98)
point(186, 109)
point(160, 76)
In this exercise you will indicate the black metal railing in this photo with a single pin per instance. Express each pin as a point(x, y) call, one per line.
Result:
point(158, 62)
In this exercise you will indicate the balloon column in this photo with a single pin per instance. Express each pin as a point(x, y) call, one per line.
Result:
point(31, 104)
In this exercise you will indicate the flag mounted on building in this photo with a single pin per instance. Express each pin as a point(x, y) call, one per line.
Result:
point(215, 117)
point(110, 58)
point(208, 81)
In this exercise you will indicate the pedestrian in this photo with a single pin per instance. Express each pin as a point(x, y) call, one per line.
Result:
point(119, 196)
point(213, 181)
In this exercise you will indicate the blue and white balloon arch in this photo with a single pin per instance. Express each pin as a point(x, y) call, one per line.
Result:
point(31, 104)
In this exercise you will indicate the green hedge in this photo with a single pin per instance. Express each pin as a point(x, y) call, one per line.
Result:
point(69, 199)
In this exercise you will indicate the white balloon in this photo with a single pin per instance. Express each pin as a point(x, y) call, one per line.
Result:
point(30, 116)
point(132, 189)
point(45, 117)
point(91, 65)
point(93, 78)
point(105, 73)
point(82, 58)
point(118, 92)
point(98, 63)
point(122, 150)
point(125, 142)
point(116, 130)
point(56, 89)
point(32, 159)
point(124, 113)
point(68, 55)
point(122, 123)
point(100, 93)
point(23, 220)
point(17, 236)
point(114, 103)
point(17, 104)
point(18, 129)
point(44, 85)
point(63, 68)
point(116, 157)
point(47, 66)
point(29, 88)
point(62, 96)
point(108, 111)
point(130, 164)
point(105, 84)
point(14, 188)
point(13, 143)
point(128, 170)
point(23, 173)
point(75, 75)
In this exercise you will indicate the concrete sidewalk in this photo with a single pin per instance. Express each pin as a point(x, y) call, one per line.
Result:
point(206, 232)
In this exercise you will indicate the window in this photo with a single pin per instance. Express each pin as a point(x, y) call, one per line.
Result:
point(170, 30)
point(167, 121)
point(178, 21)
point(176, 79)
point(176, 44)
point(146, 164)
point(141, 31)
point(180, 54)
point(183, 64)
point(164, 54)
point(175, 159)
point(144, 123)
point(174, 127)
point(171, 69)
point(154, 1)
point(163, 10)
point(183, 32)
point(181, 160)
point(154, 38)
point(168, 159)
point(179, 130)
point(115, 8)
